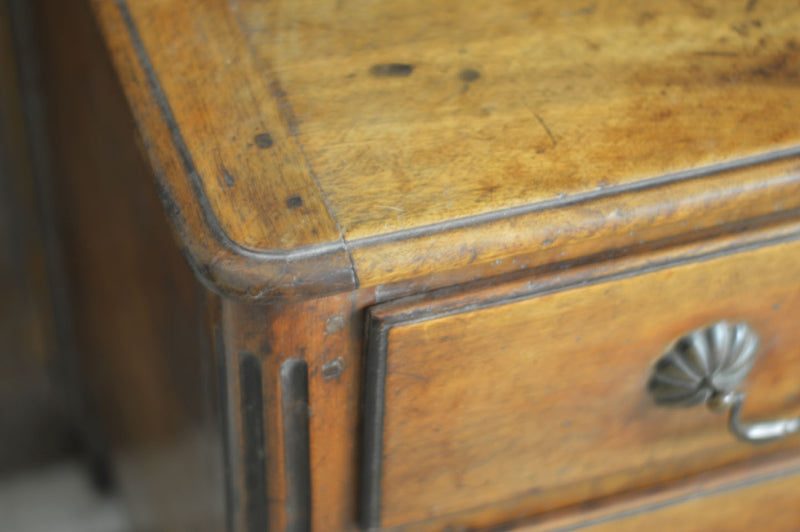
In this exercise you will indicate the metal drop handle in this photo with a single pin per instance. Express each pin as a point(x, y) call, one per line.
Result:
point(704, 367)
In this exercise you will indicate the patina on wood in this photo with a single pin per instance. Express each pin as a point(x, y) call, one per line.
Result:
point(461, 161)
point(312, 147)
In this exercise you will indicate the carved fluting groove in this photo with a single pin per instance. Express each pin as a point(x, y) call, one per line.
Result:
point(705, 364)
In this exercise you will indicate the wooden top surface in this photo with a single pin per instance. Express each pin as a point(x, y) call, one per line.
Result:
point(341, 127)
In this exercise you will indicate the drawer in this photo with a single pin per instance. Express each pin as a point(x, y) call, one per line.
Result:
point(535, 399)
point(729, 510)
point(733, 502)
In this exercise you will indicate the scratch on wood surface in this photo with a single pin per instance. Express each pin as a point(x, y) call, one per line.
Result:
point(717, 53)
point(547, 129)
point(226, 176)
point(392, 207)
point(409, 375)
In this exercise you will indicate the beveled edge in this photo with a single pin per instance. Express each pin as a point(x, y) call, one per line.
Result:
point(265, 275)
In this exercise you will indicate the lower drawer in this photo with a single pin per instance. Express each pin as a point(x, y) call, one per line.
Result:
point(765, 500)
point(539, 401)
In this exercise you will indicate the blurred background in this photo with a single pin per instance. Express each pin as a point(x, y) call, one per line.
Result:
point(53, 474)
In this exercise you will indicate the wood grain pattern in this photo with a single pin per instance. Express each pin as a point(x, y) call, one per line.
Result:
point(187, 167)
point(330, 343)
point(542, 400)
point(418, 140)
point(245, 156)
point(507, 243)
point(769, 505)
point(734, 499)
point(504, 104)
point(598, 173)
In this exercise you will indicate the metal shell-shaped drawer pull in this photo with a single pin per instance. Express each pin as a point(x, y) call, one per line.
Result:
point(705, 367)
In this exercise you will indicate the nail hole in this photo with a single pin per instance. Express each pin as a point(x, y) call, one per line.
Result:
point(263, 140)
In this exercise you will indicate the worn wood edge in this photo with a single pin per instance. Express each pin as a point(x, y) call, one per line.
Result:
point(267, 276)
point(704, 202)
point(220, 263)
point(621, 506)
point(451, 301)
point(580, 198)
point(383, 317)
point(210, 40)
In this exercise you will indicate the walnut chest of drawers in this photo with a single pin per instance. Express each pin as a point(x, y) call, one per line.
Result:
point(432, 252)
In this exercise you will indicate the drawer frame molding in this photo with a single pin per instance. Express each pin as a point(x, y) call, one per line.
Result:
point(380, 323)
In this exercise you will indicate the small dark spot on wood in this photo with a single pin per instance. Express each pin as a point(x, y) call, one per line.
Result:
point(263, 140)
point(332, 369)
point(293, 202)
point(756, 23)
point(700, 9)
point(775, 68)
point(334, 324)
point(468, 75)
point(645, 17)
point(661, 114)
point(391, 70)
point(592, 45)
point(741, 29)
point(584, 11)
point(750, 5)
point(266, 348)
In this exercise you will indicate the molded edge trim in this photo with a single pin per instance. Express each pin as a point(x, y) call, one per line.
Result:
point(221, 263)
point(265, 276)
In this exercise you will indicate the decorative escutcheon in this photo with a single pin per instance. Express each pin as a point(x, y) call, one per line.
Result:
point(705, 367)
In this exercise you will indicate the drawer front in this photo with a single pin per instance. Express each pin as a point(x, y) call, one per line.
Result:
point(540, 402)
point(766, 501)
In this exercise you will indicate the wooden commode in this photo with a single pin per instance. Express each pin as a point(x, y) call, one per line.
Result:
point(434, 265)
